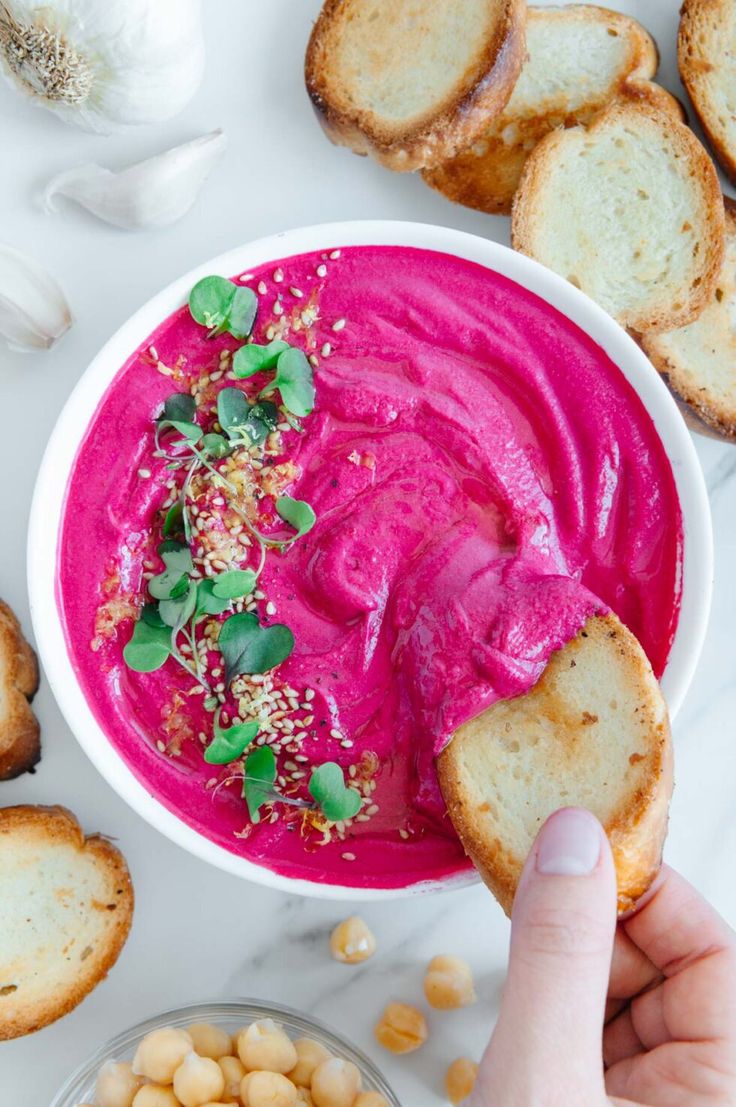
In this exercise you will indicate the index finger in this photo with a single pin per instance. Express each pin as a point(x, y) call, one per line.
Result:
point(677, 927)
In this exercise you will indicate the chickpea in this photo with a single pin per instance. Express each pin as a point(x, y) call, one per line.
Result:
point(401, 1028)
point(233, 1071)
point(209, 1041)
point(197, 1080)
point(153, 1095)
point(310, 1055)
point(335, 1083)
point(160, 1053)
point(264, 1045)
point(448, 983)
point(370, 1099)
point(116, 1084)
point(460, 1079)
point(267, 1089)
point(352, 942)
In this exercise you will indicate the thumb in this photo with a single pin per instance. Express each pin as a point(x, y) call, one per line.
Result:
point(562, 930)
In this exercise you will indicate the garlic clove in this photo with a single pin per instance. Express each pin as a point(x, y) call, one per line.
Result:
point(152, 193)
point(34, 312)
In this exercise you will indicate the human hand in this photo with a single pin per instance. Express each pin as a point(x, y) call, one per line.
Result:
point(586, 1020)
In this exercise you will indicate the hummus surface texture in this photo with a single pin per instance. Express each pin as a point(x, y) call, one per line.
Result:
point(484, 479)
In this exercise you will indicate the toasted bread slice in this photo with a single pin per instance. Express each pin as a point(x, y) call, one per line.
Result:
point(628, 209)
point(699, 360)
point(412, 83)
point(593, 733)
point(705, 60)
point(578, 59)
point(66, 904)
point(20, 745)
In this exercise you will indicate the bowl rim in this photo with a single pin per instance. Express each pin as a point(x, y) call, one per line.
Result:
point(212, 1011)
point(49, 497)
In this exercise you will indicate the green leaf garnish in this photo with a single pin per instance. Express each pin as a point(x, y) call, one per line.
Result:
point(248, 647)
point(214, 445)
point(262, 419)
point(295, 381)
point(260, 775)
point(169, 585)
point(252, 358)
point(190, 431)
point(207, 602)
point(148, 648)
point(328, 789)
point(232, 411)
point(298, 513)
point(177, 610)
point(174, 521)
point(179, 407)
point(234, 584)
point(176, 555)
point(150, 615)
point(220, 305)
point(228, 745)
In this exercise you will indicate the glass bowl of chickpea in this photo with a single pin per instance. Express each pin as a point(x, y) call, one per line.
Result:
point(241, 1053)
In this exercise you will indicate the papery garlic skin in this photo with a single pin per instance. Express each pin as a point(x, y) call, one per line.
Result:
point(104, 64)
point(34, 313)
point(153, 193)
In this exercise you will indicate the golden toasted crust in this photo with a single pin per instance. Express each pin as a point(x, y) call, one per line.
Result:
point(636, 827)
point(646, 101)
point(20, 745)
point(446, 126)
point(49, 829)
point(706, 410)
point(486, 175)
point(701, 45)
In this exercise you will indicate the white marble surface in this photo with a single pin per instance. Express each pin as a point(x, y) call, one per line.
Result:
point(199, 933)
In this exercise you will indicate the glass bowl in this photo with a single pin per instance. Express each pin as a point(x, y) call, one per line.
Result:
point(230, 1015)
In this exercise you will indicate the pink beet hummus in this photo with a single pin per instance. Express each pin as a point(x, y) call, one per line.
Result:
point(484, 479)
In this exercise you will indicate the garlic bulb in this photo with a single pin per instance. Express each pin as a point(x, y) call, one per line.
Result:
point(152, 193)
point(104, 64)
point(33, 309)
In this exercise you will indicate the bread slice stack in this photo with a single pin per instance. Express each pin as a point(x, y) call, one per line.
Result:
point(594, 733)
point(628, 209)
point(705, 59)
point(410, 83)
point(20, 746)
point(66, 904)
point(578, 58)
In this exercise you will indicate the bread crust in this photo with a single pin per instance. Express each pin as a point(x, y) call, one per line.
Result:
point(696, 55)
point(654, 103)
point(20, 742)
point(447, 127)
point(52, 827)
point(488, 180)
point(635, 831)
point(704, 411)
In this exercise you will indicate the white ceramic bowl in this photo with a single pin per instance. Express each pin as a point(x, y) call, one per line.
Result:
point(48, 500)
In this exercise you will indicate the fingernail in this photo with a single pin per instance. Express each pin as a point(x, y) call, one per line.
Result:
point(569, 844)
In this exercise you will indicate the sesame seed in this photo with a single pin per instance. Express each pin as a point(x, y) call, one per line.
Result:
point(339, 324)
point(296, 292)
point(160, 746)
point(362, 818)
point(326, 350)
point(321, 270)
point(403, 833)
point(278, 307)
point(348, 856)
point(246, 277)
point(153, 352)
point(373, 809)
point(270, 333)
point(334, 733)
point(346, 744)
point(216, 376)
point(278, 275)
point(262, 288)
point(270, 608)
point(309, 694)
point(259, 595)
point(335, 255)
point(144, 474)
point(313, 360)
